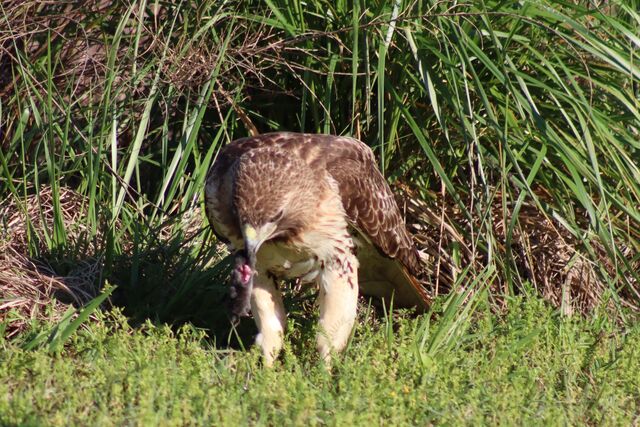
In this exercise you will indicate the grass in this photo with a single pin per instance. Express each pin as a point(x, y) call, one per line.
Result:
point(514, 125)
point(528, 366)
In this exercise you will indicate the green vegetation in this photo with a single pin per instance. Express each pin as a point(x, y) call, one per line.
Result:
point(529, 366)
point(512, 129)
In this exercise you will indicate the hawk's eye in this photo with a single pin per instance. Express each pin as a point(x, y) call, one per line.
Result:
point(277, 217)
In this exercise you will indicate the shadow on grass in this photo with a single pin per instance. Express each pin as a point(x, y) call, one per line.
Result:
point(175, 279)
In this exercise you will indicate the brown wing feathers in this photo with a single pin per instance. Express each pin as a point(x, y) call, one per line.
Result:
point(370, 205)
point(369, 202)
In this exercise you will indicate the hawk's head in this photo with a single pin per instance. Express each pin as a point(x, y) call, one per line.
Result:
point(275, 196)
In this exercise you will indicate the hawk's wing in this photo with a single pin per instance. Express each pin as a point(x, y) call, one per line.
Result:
point(371, 207)
point(369, 202)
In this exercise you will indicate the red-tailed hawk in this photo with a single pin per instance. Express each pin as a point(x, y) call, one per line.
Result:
point(316, 208)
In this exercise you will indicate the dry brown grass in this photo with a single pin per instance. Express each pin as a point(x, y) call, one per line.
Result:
point(541, 251)
point(76, 33)
point(30, 287)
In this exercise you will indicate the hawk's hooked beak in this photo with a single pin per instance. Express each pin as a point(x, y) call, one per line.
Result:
point(254, 238)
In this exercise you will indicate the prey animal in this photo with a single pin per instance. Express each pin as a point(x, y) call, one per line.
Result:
point(314, 208)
